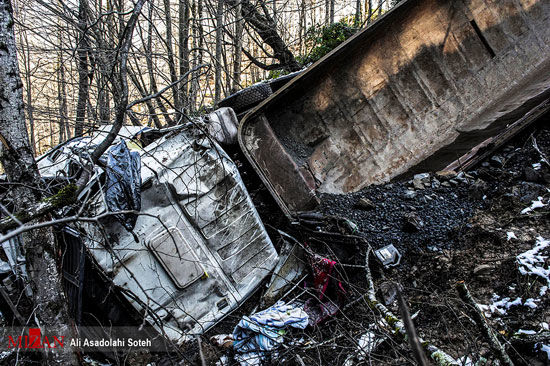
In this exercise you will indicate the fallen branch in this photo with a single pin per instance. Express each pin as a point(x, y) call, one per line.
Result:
point(438, 356)
point(414, 340)
point(66, 220)
point(479, 318)
point(529, 339)
point(201, 354)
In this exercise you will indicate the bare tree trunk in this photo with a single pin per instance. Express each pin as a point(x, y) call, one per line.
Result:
point(380, 3)
point(19, 165)
point(198, 42)
point(170, 56)
point(302, 27)
point(64, 130)
point(23, 40)
point(275, 13)
point(120, 11)
point(264, 26)
point(253, 69)
point(237, 52)
point(357, 19)
point(228, 73)
point(331, 14)
point(120, 83)
point(369, 13)
point(137, 80)
point(103, 102)
point(83, 82)
point(183, 53)
point(219, 45)
point(149, 61)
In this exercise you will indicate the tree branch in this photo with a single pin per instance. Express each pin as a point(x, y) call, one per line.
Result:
point(482, 324)
point(261, 64)
point(122, 101)
point(160, 92)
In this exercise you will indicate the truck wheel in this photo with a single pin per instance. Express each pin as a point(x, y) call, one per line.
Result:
point(281, 81)
point(247, 98)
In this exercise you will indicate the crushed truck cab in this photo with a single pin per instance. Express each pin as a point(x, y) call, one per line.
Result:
point(198, 248)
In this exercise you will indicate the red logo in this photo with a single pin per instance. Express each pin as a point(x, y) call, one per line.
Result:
point(35, 340)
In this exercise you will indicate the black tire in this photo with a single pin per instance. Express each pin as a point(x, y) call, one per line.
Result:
point(281, 81)
point(247, 98)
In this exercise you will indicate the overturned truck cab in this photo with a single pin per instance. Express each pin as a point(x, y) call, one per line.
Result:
point(201, 248)
point(198, 248)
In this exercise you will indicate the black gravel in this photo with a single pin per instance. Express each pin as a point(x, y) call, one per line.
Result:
point(441, 211)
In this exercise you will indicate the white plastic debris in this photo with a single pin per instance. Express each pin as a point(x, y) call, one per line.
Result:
point(465, 361)
point(510, 235)
point(537, 166)
point(222, 340)
point(91, 362)
point(367, 344)
point(223, 361)
point(524, 331)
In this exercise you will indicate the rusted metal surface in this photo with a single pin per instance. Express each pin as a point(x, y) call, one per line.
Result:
point(413, 92)
point(487, 147)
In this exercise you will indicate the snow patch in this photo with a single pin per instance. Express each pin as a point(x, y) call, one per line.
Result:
point(546, 348)
point(531, 303)
point(534, 205)
point(532, 262)
point(510, 235)
point(499, 306)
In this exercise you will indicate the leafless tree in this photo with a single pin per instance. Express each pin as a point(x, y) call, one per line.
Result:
point(16, 156)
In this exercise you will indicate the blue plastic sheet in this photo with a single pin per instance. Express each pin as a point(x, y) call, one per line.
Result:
point(123, 191)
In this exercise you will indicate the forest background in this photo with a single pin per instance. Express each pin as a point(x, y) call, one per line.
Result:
point(184, 57)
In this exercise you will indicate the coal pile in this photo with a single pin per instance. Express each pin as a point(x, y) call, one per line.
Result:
point(421, 214)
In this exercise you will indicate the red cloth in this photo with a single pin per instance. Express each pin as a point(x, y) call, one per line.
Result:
point(326, 286)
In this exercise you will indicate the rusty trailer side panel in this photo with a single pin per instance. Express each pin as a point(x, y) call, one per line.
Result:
point(414, 91)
